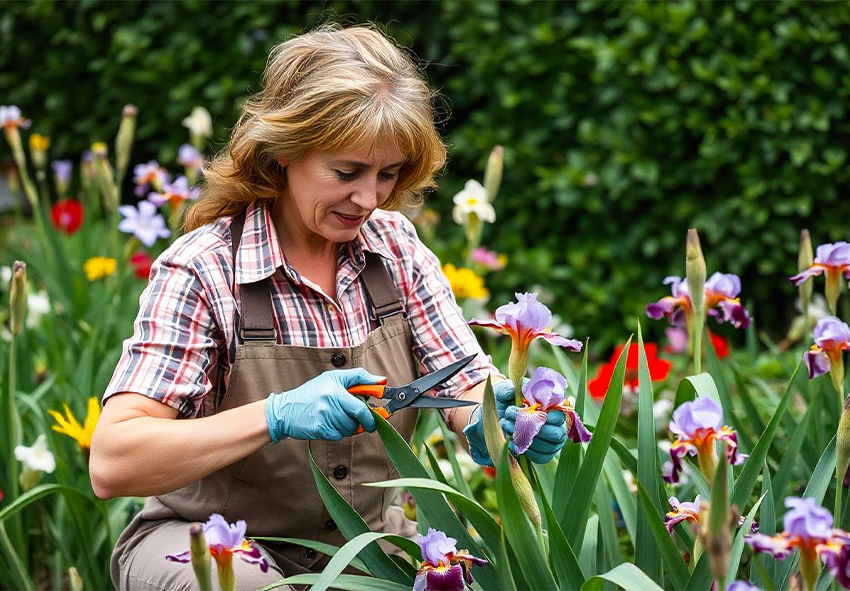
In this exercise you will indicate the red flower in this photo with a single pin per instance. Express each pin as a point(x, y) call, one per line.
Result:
point(721, 346)
point(67, 215)
point(491, 472)
point(142, 262)
point(658, 369)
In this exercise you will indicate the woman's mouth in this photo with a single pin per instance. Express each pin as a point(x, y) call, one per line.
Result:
point(349, 220)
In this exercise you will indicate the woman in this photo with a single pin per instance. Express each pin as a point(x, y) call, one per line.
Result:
point(296, 280)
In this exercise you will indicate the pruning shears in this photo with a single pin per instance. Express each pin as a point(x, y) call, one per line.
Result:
point(413, 395)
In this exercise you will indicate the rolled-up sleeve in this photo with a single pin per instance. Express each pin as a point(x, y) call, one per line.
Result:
point(172, 355)
point(441, 335)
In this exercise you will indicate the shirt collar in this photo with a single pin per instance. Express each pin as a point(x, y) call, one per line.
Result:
point(259, 254)
point(370, 239)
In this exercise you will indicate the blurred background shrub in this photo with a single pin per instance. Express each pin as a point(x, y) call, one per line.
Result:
point(623, 123)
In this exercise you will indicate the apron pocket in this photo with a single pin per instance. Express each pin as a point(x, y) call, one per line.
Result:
point(245, 499)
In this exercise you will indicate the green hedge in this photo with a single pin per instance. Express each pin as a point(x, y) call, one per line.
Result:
point(624, 123)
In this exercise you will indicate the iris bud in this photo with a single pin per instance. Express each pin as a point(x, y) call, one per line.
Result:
point(200, 554)
point(18, 300)
point(493, 172)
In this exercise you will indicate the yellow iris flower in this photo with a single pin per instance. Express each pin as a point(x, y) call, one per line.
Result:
point(97, 267)
point(69, 425)
point(465, 283)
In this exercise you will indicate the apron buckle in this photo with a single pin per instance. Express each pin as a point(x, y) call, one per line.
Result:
point(257, 334)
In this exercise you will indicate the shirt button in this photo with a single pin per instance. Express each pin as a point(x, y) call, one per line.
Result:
point(310, 554)
point(338, 359)
point(340, 472)
point(331, 308)
point(330, 525)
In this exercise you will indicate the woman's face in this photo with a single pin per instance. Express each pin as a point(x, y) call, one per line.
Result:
point(328, 196)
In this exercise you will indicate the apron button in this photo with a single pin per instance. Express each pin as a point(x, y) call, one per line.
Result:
point(340, 472)
point(330, 525)
point(310, 554)
point(338, 359)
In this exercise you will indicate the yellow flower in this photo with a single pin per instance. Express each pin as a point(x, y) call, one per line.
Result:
point(465, 283)
point(39, 142)
point(72, 428)
point(99, 149)
point(97, 267)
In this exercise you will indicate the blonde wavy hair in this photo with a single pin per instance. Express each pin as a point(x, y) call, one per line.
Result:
point(331, 89)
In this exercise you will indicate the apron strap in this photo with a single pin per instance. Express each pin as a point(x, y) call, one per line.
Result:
point(257, 323)
point(381, 289)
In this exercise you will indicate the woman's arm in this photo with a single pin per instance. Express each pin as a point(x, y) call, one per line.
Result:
point(140, 449)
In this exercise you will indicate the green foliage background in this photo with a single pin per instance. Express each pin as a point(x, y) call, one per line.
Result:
point(624, 123)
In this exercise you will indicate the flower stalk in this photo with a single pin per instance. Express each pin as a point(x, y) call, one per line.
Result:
point(842, 459)
point(805, 259)
point(695, 272)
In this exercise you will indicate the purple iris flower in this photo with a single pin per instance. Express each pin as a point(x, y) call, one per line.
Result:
point(444, 567)
point(524, 321)
point(836, 556)
point(807, 519)
point(145, 222)
point(682, 512)
point(721, 301)
point(224, 540)
point(833, 257)
point(189, 157)
point(545, 391)
point(742, 586)
point(62, 170)
point(697, 425)
point(174, 193)
point(808, 527)
point(832, 338)
point(149, 175)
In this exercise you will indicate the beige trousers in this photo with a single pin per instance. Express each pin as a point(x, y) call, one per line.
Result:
point(144, 568)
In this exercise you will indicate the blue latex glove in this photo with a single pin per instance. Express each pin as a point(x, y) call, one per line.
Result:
point(547, 442)
point(474, 431)
point(321, 408)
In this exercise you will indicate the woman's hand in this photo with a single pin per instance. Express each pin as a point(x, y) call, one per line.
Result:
point(322, 408)
point(545, 445)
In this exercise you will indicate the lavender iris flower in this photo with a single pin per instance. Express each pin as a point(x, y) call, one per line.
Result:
point(224, 540)
point(807, 519)
point(697, 425)
point(742, 586)
point(835, 257)
point(443, 567)
point(525, 320)
point(145, 223)
point(189, 157)
point(62, 170)
point(176, 192)
point(682, 512)
point(545, 391)
point(721, 301)
point(832, 338)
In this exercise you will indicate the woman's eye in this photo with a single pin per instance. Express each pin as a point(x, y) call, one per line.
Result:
point(345, 176)
point(387, 176)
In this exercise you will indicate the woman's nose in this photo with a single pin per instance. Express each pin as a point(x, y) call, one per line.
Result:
point(366, 194)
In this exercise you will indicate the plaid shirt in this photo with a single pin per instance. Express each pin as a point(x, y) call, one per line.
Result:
point(184, 338)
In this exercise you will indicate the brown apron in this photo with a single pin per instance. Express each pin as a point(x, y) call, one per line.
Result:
point(273, 490)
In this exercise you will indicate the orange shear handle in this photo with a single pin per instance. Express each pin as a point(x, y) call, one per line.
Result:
point(378, 409)
point(376, 390)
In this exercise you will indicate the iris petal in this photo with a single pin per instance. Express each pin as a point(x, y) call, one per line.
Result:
point(445, 579)
point(528, 425)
